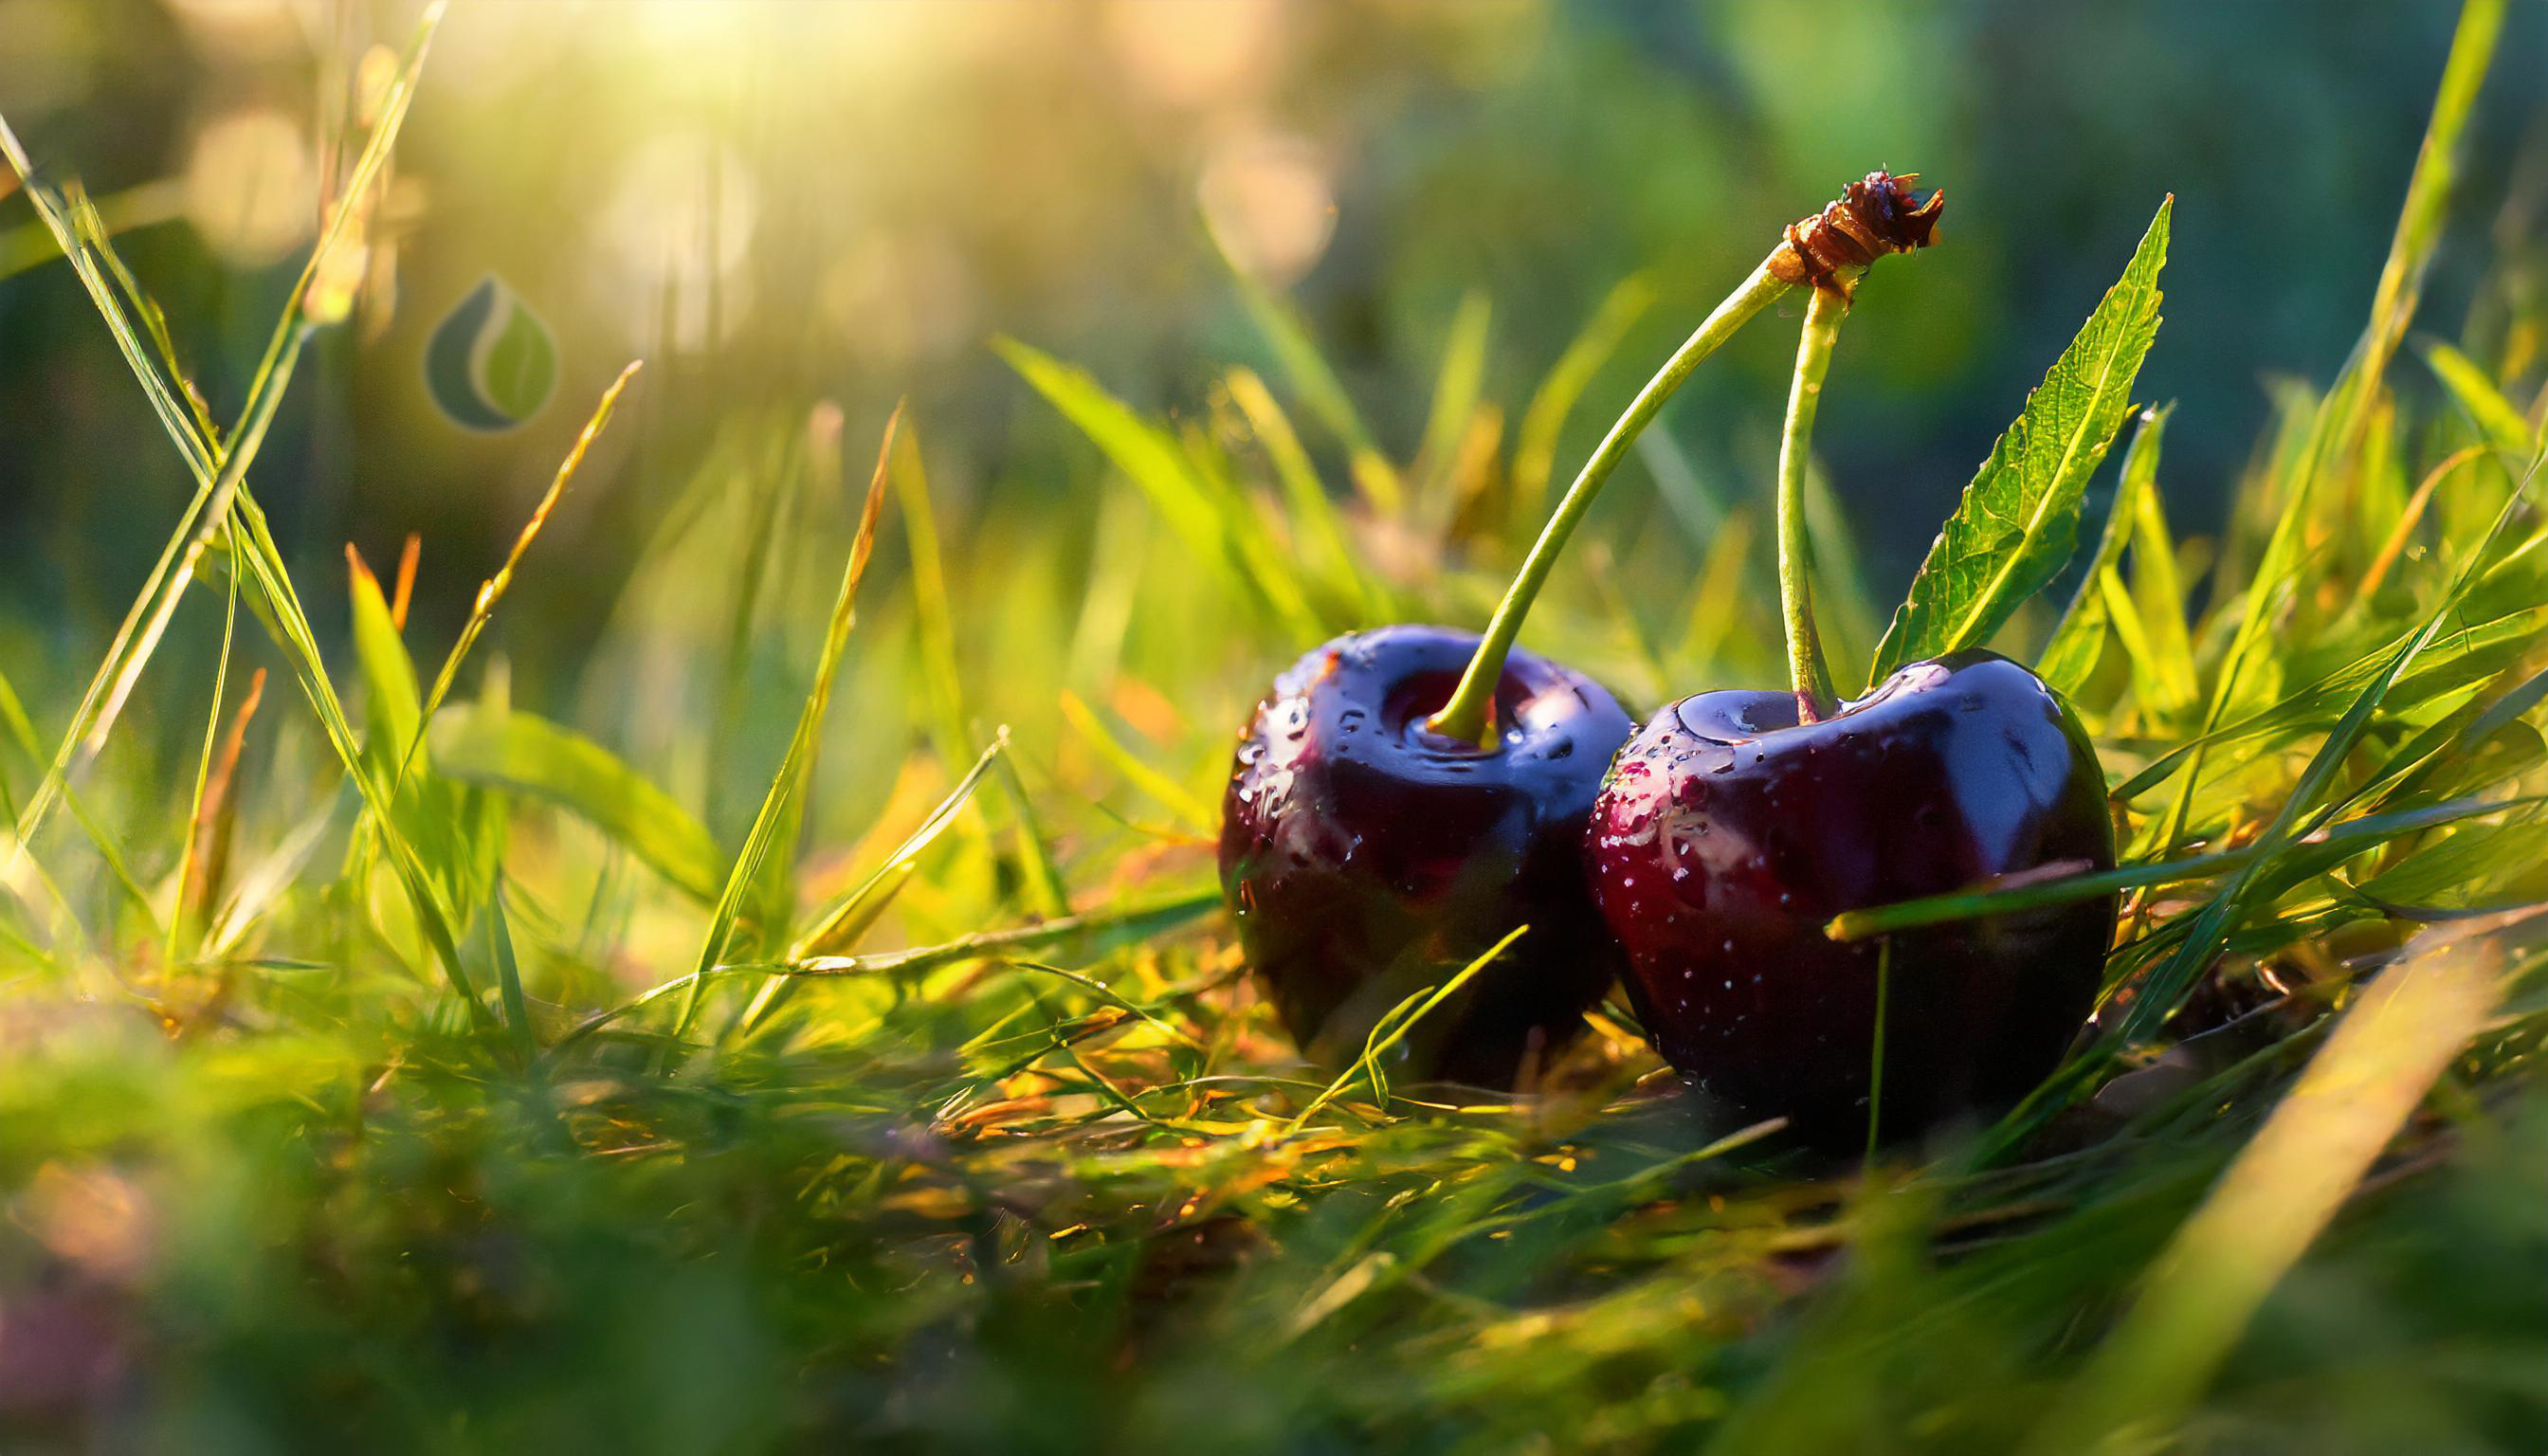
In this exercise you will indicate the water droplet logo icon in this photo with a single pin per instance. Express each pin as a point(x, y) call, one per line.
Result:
point(491, 363)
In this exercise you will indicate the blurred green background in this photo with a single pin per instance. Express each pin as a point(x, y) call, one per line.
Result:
point(775, 203)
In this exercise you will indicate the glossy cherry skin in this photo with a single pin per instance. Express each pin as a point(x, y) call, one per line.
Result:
point(1727, 835)
point(1367, 859)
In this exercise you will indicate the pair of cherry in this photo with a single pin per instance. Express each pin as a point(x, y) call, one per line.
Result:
point(1372, 842)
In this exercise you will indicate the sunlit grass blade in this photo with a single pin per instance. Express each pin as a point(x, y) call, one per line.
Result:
point(2410, 516)
point(142, 205)
point(1544, 419)
point(1214, 525)
point(789, 781)
point(2470, 645)
point(1047, 888)
point(2080, 635)
point(1716, 602)
point(2330, 845)
point(2418, 235)
point(509, 979)
point(1393, 1028)
point(148, 623)
point(393, 702)
point(1317, 386)
point(219, 474)
point(491, 592)
point(290, 626)
point(1106, 928)
point(523, 754)
point(2498, 419)
point(943, 678)
point(932, 609)
point(195, 817)
point(838, 926)
point(825, 936)
point(2341, 417)
point(2167, 985)
point(1314, 518)
point(1170, 794)
point(2358, 1091)
point(1457, 385)
point(2169, 686)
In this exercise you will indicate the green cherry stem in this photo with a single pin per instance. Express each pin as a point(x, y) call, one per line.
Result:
point(1874, 216)
point(1806, 670)
point(1464, 718)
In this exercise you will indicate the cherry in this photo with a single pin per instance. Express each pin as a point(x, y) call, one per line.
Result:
point(1730, 832)
point(1368, 858)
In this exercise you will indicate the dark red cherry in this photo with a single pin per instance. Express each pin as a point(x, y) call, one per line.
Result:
point(1367, 859)
point(1728, 834)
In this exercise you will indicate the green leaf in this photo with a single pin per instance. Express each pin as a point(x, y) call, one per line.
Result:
point(2020, 517)
point(533, 756)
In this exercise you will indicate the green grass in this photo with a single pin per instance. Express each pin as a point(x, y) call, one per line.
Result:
point(440, 1075)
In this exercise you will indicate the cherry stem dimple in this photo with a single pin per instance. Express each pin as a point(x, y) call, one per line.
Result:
point(1806, 670)
point(1464, 718)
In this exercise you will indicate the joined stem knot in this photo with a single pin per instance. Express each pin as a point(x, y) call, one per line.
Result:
point(1878, 214)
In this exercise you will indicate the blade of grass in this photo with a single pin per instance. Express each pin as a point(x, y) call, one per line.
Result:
point(2409, 518)
point(1456, 388)
point(491, 592)
point(1716, 603)
point(2171, 688)
point(934, 622)
point(1170, 794)
point(2334, 844)
point(1138, 921)
point(2165, 988)
point(840, 924)
point(2498, 419)
point(217, 472)
point(523, 754)
point(1313, 515)
point(144, 205)
point(789, 783)
point(509, 980)
point(2271, 1205)
point(1216, 525)
point(290, 626)
point(2080, 635)
point(177, 915)
point(1392, 1029)
point(1316, 385)
point(1544, 419)
point(2342, 416)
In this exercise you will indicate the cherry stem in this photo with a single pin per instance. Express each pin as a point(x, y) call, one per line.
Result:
point(1806, 670)
point(1464, 718)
